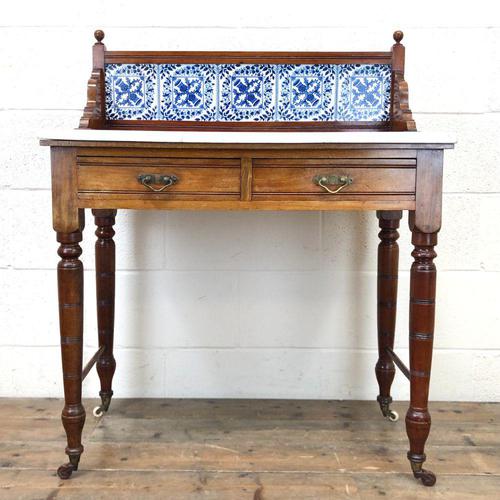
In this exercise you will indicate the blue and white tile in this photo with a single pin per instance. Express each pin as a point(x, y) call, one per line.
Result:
point(247, 92)
point(364, 92)
point(131, 92)
point(306, 92)
point(188, 92)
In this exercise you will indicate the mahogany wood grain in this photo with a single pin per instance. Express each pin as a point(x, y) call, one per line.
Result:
point(94, 113)
point(337, 200)
point(158, 201)
point(91, 362)
point(70, 291)
point(328, 162)
point(327, 149)
point(429, 186)
point(422, 311)
point(65, 214)
point(149, 152)
point(365, 180)
point(235, 57)
point(105, 297)
point(98, 50)
point(246, 178)
point(159, 161)
point(387, 291)
point(401, 115)
point(190, 179)
point(271, 126)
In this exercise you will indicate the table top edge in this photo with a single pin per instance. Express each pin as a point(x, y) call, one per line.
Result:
point(80, 137)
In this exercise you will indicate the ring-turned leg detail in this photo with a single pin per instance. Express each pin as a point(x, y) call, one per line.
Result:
point(105, 293)
point(422, 308)
point(70, 288)
point(387, 290)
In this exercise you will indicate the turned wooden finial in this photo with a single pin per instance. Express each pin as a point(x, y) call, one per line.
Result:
point(398, 36)
point(99, 35)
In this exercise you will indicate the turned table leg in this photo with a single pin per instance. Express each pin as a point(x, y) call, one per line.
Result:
point(70, 288)
point(105, 293)
point(387, 290)
point(422, 305)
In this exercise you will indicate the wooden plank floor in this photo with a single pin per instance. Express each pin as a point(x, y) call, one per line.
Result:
point(246, 449)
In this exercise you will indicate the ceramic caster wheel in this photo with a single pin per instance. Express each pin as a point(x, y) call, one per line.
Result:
point(97, 412)
point(393, 416)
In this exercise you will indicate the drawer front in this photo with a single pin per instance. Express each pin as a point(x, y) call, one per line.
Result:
point(275, 178)
point(163, 176)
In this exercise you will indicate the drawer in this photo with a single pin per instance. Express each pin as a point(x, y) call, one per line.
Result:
point(293, 177)
point(161, 176)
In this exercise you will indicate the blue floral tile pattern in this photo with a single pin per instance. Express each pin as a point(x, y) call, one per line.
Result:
point(306, 92)
point(188, 92)
point(131, 91)
point(248, 92)
point(365, 92)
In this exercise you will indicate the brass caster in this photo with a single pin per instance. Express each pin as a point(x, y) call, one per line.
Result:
point(384, 403)
point(427, 477)
point(65, 471)
point(104, 406)
point(98, 411)
point(105, 400)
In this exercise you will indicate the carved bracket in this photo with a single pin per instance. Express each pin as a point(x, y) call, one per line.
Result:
point(402, 118)
point(93, 113)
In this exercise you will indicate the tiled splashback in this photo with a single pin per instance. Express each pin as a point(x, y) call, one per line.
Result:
point(248, 92)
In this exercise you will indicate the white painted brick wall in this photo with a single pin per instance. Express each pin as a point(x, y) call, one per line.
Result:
point(251, 304)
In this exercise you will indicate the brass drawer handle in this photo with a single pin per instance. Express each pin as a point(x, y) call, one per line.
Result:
point(343, 180)
point(148, 180)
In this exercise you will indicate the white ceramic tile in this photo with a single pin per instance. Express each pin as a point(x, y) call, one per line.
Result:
point(248, 92)
point(131, 91)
